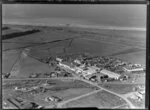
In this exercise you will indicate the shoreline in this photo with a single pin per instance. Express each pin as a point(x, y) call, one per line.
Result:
point(118, 28)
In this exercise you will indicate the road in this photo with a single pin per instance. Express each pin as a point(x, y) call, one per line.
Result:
point(59, 78)
point(101, 88)
point(119, 95)
point(86, 81)
point(123, 82)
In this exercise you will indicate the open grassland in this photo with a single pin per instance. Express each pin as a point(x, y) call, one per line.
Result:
point(9, 31)
point(8, 60)
point(122, 44)
point(127, 45)
point(49, 49)
point(126, 86)
point(64, 89)
point(119, 88)
point(101, 99)
point(27, 65)
point(6, 46)
point(124, 106)
point(134, 57)
point(64, 94)
point(138, 104)
point(45, 35)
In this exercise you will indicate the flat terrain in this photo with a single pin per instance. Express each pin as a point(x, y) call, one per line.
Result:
point(21, 58)
point(123, 44)
point(26, 65)
point(101, 99)
point(120, 88)
point(60, 88)
point(9, 58)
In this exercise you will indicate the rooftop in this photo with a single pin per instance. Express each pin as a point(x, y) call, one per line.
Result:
point(110, 73)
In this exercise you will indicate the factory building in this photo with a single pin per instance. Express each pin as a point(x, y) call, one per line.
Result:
point(127, 69)
point(110, 74)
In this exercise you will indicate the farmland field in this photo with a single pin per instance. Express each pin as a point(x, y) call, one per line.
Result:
point(9, 58)
point(60, 88)
point(27, 65)
point(120, 88)
point(101, 99)
point(21, 58)
point(118, 43)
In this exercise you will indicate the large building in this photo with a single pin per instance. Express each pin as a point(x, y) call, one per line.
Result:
point(130, 69)
point(85, 72)
point(66, 65)
point(110, 74)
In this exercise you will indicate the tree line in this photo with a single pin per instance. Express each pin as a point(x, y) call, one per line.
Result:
point(19, 34)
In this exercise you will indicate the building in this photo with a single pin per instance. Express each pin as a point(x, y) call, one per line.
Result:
point(77, 61)
point(91, 70)
point(130, 69)
point(140, 96)
point(59, 59)
point(52, 99)
point(66, 65)
point(110, 74)
point(134, 68)
point(86, 72)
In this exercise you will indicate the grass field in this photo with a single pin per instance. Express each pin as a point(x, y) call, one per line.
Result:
point(6, 46)
point(120, 88)
point(64, 89)
point(124, 44)
point(27, 65)
point(64, 94)
point(8, 59)
point(136, 103)
point(134, 57)
point(9, 31)
point(101, 99)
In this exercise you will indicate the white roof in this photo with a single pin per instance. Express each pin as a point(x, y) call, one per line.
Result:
point(109, 73)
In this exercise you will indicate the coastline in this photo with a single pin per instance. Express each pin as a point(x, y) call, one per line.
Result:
point(102, 27)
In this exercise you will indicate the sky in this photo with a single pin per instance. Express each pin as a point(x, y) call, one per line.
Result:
point(99, 14)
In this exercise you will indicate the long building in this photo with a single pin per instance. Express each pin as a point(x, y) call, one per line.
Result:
point(110, 74)
point(133, 69)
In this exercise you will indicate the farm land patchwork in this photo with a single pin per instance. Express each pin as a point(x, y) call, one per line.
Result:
point(65, 67)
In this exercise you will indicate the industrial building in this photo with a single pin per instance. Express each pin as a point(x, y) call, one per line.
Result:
point(129, 69)
point(110, 74)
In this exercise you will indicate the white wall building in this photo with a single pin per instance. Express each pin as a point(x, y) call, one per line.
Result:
point(134, 69)
point(59, 59)
point(110, 74)
point(77, 61)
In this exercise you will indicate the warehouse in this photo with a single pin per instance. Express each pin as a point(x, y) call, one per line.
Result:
point(110, 74)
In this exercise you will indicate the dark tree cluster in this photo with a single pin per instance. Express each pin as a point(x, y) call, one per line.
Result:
point(5, 28)
point(19, 34)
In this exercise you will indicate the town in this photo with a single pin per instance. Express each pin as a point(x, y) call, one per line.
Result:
point(97, 70)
